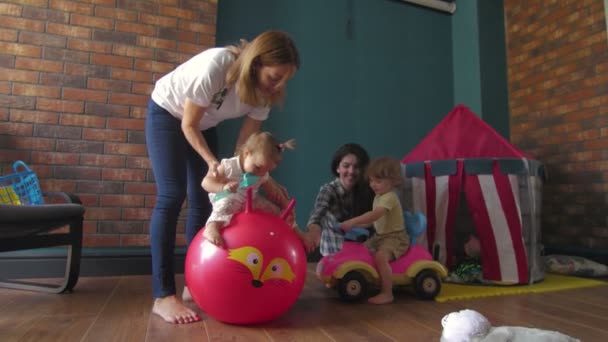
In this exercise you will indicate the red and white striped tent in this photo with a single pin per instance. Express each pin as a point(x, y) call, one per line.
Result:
point(501, 186)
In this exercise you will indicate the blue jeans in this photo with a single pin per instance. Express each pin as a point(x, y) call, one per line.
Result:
point(178, 171)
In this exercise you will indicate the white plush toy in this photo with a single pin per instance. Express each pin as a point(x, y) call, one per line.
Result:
point(471, 326)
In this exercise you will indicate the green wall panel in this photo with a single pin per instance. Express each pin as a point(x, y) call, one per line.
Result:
point(379, 73)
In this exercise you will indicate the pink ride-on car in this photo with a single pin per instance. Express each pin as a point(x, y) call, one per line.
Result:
point(352, 269)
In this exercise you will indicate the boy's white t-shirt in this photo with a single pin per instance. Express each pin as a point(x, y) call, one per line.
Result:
point(201, 79)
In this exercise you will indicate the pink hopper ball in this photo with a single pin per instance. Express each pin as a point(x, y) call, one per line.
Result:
point(257, 275)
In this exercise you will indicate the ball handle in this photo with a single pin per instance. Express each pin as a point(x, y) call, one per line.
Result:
point(288, 210)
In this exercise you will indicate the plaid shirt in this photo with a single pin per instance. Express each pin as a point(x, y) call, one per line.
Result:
point(332, 205)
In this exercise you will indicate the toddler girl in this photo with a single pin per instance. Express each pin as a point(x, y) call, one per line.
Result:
point(259, 155)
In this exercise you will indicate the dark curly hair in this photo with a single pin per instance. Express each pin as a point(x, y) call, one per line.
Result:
point(346, 149)
point(362, 194)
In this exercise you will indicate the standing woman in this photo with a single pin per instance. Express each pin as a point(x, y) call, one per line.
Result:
point(186, 106)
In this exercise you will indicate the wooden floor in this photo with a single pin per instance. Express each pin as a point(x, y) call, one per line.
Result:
point(118, 309)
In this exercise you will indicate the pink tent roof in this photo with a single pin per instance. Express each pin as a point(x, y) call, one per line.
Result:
point(462, 134)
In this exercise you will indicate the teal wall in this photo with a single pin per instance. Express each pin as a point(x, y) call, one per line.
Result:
point(380, 73)
point(493, 66)
point(465, 42)
point(480, 72)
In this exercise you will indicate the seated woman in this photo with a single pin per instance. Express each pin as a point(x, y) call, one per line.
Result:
point(345, 197)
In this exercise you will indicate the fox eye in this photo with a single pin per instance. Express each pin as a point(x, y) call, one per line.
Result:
point(253, 259)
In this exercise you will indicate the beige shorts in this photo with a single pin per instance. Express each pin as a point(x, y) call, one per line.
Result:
point(396, 243)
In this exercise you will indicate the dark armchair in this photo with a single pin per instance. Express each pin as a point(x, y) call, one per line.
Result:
point(25, 227)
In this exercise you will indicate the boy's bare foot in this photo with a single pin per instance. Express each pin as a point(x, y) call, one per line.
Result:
point(186, 296)
point(381, 298)
point(173, 311)
point(212, 234)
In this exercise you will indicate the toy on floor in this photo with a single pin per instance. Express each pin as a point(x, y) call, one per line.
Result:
point(575, 266)
point(469, 270)
point(352, 269)
point(256, 277)
point(471, 326)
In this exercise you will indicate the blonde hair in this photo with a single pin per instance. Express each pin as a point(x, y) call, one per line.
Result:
point(385, 168)
point(268, 48)
point(266, 145)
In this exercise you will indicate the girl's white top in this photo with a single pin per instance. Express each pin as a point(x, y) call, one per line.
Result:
point(233, 171)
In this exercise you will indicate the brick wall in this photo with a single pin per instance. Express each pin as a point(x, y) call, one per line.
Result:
point(75, 77)
point(558, 87)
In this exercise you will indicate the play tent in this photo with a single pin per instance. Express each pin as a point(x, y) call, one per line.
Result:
point(464, 160)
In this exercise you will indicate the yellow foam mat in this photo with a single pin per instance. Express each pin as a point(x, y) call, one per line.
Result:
point(552, 282)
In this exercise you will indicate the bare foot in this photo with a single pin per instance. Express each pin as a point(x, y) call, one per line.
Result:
point(212, 234)
point(381, 298)
point(174, 311)
point(186, 296)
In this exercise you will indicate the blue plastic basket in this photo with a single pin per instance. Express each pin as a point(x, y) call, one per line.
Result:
point(21, 187)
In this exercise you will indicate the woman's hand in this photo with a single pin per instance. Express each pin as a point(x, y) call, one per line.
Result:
point(231, 186)
point(214, 180)
point(309, 244)
point(212, 166)
point(312, 238)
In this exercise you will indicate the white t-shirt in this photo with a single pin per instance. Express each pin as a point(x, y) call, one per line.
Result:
point(201, 79)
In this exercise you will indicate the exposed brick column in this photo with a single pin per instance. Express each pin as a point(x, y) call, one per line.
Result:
point(75, 77)
point(558, 87)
